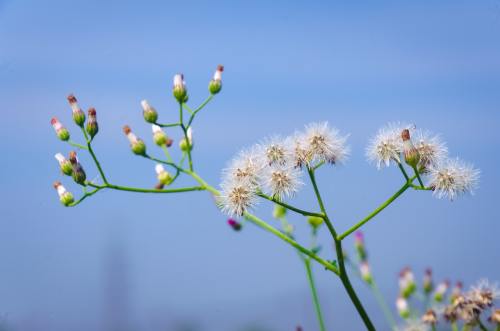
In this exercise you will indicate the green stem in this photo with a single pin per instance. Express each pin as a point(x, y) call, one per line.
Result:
point(146, 190)
point(383, 304)
point(72, 143)
point(481, 325)
point(344, 277)
point(169, 125)
point(376, 211)
point(167, 153)
point(184, 129)
point(260, 223)
point(433, 327)
point(402, 168)
point(317, 306)
point(454, 326)
point(292, 208)
point(200, 107)
point(318, 165)
point(418, 176)
point(89, 147)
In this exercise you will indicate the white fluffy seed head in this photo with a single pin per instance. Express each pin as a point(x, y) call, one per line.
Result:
point(275, 150)
point(236, 198)
point(386, 146)
point(325, 144)
point(453, 178)
point(431, 149)
point(484, 293)
point(281, 181)
point(246, 167)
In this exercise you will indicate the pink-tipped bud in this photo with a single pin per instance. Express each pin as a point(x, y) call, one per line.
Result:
point(61, 132)
point(407, 284)
point(412, 156)
point(65, 197)
point(402, 307)
point(359, 245)
point(235, 225)
point(149, 113)
point(77, 173)
point(179, 89)
point(364, 270)
point(78, 114)
point(159, 137)
point(64, 164)
point(456, 291)
point(440, 291)
point(427, 282)
point(215, 84)
point(92, 127)
point(163, 176)
point(137, 145)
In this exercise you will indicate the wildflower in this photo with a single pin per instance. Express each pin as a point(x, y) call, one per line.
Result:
point(406, 282)
point(65, 197)
point(364, 270)
point(279, 211)
point(302, 155)
point(159, 137)
point(431, 149)
point(246, 167)
point(179, 89)
point(386, 146)
point(275, 151)
point(325, 144)
point(464, 308)
point(92, 127)
point(402, 307)
point(78, 173)
point(164, 177)
point(412, 157)
point(61, 131)
point(485, 293)
point(215, 84)
point(187, 145)
point(441, 290)
point(452, 178)
point(315, 221)
point(136, 144)
point(64, 164)
point(235, 225)
point(149, 113)
point(359, 245)
point(430, 317)
point(281, 181)
point(78, 114)
point(427, 282)
point(236, 198)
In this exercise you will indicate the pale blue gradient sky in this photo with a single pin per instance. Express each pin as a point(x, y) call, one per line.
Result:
point(435, 64)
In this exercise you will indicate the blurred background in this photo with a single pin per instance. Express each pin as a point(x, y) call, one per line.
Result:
point(123, 261)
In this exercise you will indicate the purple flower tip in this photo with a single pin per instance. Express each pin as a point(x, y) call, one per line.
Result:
point(235, 225)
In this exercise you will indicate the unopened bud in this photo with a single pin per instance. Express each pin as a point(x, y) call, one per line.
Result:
point(61, 131)
point(64, 164)
point(179, 89)
point(359, 245)
point(427, 285)
point(441, 291)
point(315, 221)
point(78, 114)
point(456, 291)
point(92, 127)
point(430, 317)
point(402, 307)
point(65, 197)
point(77, 173)
point(159, 137)
point(164, 177)
point(279, 211)
point(235, 225)
point(215, 84)
point(187, 145)
point(149, 113)
point(364, 270)
point(412, 156)
point(407, 284)
point(136, 144)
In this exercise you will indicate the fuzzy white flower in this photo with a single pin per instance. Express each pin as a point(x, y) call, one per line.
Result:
point(281, 181)
point(431, 149)
point(325, 143)
point(484, 293)
point(275, 150)
point(245, 168)
point(236, 198)
point(453, 177)
point(302, 154)
point(386, 146)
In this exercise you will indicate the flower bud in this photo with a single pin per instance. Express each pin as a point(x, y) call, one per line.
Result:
point(187, 145)
point(441, 291)
point(402, 307)
point(359, 245)
point(179, 90)
point(65, 197)
point(159, 137)
point(78, 173)
point(92, 127)
point(430, 317)
point(412, 156)
point(427, 285)
point(456, 291)
point(164, 177)
point(315, 221)
point(149, 113)
point(78, 114)
point(64, 164)
point(137, 145)
point(215, 84)
point(235, 225)
point(279, 211)
point(61, 131)
point(407, 284)
point(364, 270)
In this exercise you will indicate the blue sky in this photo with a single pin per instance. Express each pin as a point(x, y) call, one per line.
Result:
point(358, 66)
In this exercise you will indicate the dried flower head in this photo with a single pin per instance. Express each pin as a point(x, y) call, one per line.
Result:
point(430, 317)
point(325, 144)
point(275, 150)
point(236, 198)
point(245, 168)
point(484, 293)
point(281, 181)
point(431, 149)
point(452, 178)
point(386, 146)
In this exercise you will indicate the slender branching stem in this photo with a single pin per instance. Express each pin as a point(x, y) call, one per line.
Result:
point(418, 177)
point(168, 125)
point(77, 145)
point(287, 206)
point(402, 168)
point(454, 326)
point(94, 157)
point(344, 277)
point(314, 292)
point(200, 107)
point(382, 303)
point(167, 153)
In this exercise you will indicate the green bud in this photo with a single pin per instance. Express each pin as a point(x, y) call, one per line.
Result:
point(65, 197)
point(77, 173)
point(78, 114)
point(179, 90)
point(149, 113)
point(409, 290)
point(92, 127)
point(279, 211)
point(214, 86)
point(61, 131)
point(139, 147)
point(165, 178)
point(64, 164)
point(412, 156)
point(315, 221)
point(159, 137)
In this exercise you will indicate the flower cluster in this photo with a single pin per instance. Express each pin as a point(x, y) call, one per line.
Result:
point(427, 155)
point(275, 165)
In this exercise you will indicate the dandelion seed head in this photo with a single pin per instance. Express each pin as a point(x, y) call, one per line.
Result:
point(325, 143)
point(282, 181)
point(386, 145)
point(452, 178)
point(430, 147)
point(236, 198)
point(484, 293)
point(245, 168)
point(276, 150)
